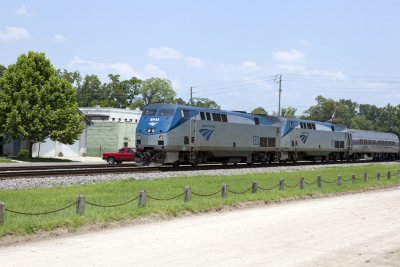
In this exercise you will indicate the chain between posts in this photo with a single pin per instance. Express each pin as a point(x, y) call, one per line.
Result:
point(111, 206)
point(39, 213)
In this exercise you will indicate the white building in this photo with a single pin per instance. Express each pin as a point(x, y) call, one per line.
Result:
point(111, 114)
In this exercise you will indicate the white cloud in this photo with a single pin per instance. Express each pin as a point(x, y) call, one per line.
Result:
point(291, 56)
point(194, 62)
point(14, 34)
point(22, 11)
point(124, 69)
point(164, 53)
point(332, 75)
point(59, 38)
point(151, 70)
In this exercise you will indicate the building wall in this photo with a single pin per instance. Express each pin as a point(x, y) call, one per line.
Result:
point(109, 136)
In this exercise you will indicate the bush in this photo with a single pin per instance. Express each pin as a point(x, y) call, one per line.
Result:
point(23, 153)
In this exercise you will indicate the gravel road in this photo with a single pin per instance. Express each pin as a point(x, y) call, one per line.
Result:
point(351, 230)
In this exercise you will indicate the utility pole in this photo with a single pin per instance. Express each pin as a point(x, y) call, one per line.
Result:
point(191, 95)
point(280, 92)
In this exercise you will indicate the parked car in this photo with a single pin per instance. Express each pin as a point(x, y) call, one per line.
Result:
point(124, 154)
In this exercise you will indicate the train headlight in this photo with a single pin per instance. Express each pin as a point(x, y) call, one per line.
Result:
point(160, 137)
point(138, 137)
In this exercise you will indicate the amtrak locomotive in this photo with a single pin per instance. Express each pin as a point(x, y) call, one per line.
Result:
point(176, 134)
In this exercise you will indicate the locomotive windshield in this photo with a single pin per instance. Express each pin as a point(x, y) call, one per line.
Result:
point(166, 112)
point(158, 112)
point(149, 112)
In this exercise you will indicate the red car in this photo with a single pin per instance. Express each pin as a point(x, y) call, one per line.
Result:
point(124, 154)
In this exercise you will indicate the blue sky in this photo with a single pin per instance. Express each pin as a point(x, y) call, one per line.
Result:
point(229, 51)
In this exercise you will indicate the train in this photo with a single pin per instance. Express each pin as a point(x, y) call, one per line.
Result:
point(171, 134)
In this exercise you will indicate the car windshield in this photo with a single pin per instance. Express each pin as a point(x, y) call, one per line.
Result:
point(166, 112)
point(149, 112)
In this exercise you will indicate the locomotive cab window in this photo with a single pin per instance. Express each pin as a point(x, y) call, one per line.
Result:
point(185, 113)
point(256, 121)
point(202, 115)
point(208, 116)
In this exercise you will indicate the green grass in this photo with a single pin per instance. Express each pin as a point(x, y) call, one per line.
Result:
point(47, 199)
point(3, 160)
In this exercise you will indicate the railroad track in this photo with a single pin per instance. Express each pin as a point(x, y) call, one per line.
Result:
point(15, 172)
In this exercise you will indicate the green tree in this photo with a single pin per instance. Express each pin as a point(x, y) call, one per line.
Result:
point(2, 69)
point(323, 111)
point(289, 112)
point(203, 102)
point(360, 122)
point(90, 91)
point(36, 104)
point(259, 110)
point(156, 90)
point(123, 93)
point(74, 77)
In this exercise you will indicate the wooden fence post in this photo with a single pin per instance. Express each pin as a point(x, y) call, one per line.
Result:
point(281, 184)
point(378, 176)
point(142, 199)
point(389, 173)
point(319, 181)
point(353, 179)
point(2, 205)
point(365, 176)
point(339, 180)
point(254, 187)
point(188, 194)
point(80, 204)
point(224, 191)
point(302, 183)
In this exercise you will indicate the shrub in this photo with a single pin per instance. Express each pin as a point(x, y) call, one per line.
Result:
point(23, 153)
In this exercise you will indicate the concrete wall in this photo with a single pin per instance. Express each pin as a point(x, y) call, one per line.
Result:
point(109, 136)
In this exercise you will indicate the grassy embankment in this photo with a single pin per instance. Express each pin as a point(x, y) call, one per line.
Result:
point(40, 200)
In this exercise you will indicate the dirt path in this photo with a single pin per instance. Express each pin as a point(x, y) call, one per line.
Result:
point(352, 230)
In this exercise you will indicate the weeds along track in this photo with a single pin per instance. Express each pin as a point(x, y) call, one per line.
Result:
point(15, 172)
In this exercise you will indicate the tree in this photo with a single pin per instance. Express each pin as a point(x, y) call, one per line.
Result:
point(289, 112)
point(203, 102)
point(88, 93)
point(156, 90)
point(2, 69)
point(36, 104)
point(259, 110)
point(323, 111)
point(124, 92)
point(360, 122)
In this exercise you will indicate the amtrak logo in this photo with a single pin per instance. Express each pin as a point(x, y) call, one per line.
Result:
point(206, 133)
point(304, 137)
point(154, 121)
